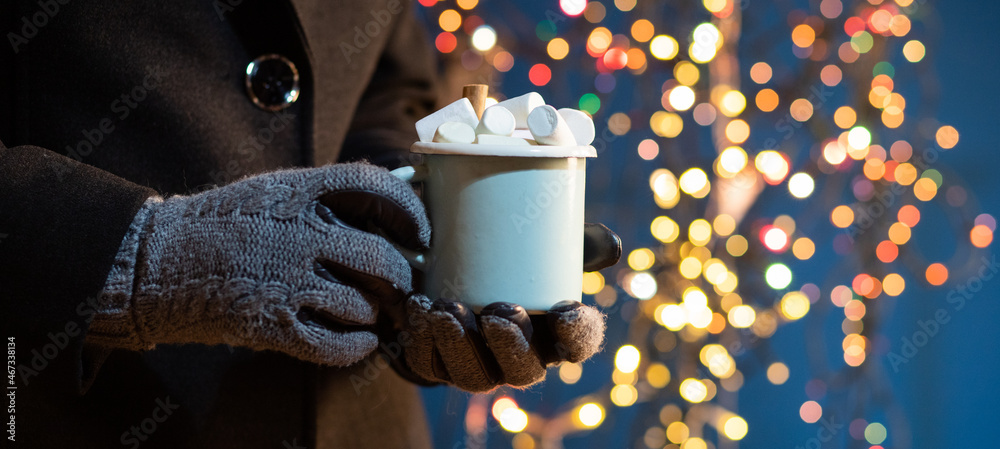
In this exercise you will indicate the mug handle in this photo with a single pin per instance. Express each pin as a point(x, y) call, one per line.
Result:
point(412, 174)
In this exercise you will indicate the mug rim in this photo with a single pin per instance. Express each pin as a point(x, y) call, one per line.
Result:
point(475, 149)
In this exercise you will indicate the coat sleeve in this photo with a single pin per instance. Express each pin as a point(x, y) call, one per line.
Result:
point(61, 224)
point(402, 90)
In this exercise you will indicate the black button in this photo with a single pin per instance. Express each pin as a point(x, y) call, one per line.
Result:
point(272, 82)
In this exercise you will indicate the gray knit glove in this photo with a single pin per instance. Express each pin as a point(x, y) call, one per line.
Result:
point(303, 262)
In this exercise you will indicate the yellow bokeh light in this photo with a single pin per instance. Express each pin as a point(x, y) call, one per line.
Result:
point(642, 30)
point(724, 224)
point(700, 232)
point(715, 271)
point(914, 51)
point(736, 245)
point(593, 282)
point(842, 216)
point(727, 302)
point(690, 267)
point(946, 137)
point(694, 182)
point(693, 390)
point(665, 188)
point(570, 373)
point(777, 373)
point(735, 428)
point(707, 35)
point(513, 420)
point(620, 378)
point(794, 305)
point(732, 104)
point(450, 20)
point(859, 137)
point(714, 6)
point(834, 153)
point(678, 432)
point(681, 98)
point(502, 404)
point(641, 259)
point(893, 284)
point(718, 361)
point(641, 285)
point(673, 317)
point(801, 185)
point(742, 316)
point(686, 73)
point(658, 375)
point(467, 4)
point(925, 189)
point(666, 124)
point(732, 160)
point(624, 395)
point(694, 443)
point(522, 441)
point(663, 47)
point(557, 48)
point(899, 233)
point(590, 415)
point(627, 359)
point(701, 53)
point(900, 25)
point(599, 40)
point(664, 229)
point(905, 174)
point(484, 38)
point(845, 117)
point(737, 131)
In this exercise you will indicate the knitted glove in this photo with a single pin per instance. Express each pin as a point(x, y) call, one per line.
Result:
point(238, 264)
point(445, 342)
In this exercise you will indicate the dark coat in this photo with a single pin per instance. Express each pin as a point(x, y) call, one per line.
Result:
point(104, 103)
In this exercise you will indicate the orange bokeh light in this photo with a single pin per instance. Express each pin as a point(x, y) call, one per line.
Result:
point(936, 274)
point(909, 215)
point(887, 251)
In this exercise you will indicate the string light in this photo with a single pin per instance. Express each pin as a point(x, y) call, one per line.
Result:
point(691, 285)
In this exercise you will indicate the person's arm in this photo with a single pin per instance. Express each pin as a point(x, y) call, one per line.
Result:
point(402, 90)
point(61, 225)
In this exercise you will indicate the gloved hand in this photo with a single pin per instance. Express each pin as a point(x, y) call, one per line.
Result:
point(303, 262)
point(237, 264)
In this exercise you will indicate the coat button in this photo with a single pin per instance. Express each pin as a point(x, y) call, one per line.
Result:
point(272, 82)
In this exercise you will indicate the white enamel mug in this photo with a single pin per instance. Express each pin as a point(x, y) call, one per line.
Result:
point(507, 222)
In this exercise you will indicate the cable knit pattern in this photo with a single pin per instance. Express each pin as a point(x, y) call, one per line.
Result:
point(234, 265)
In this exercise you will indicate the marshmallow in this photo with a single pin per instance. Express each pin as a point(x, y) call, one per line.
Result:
point(459, 111)
point(455, 132)
point(522, 106)
point(549, 128)
point(497, 120)
point(581, 124)
point(490, 139)
point(523, 133)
